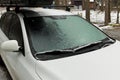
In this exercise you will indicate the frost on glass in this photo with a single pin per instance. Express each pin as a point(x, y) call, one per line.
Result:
point(56, 33)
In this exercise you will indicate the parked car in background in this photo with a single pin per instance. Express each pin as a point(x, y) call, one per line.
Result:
point(48, 44)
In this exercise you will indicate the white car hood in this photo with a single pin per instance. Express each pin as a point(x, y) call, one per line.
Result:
point(102, 64)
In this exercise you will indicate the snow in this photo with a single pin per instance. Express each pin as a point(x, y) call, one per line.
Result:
point(97, 17)
point(106, 27)
point(91, 0)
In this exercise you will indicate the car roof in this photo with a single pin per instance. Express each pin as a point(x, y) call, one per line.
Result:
point(34, 12)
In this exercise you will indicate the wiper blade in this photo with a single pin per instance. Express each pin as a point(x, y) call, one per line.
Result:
point(55, 52)
point(108, 40)
point(96, 45)
point(87, 46)
point(70, 50)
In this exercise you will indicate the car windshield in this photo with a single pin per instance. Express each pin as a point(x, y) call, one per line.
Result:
point(51, 33)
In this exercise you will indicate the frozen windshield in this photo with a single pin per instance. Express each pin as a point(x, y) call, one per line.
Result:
point(61, 32)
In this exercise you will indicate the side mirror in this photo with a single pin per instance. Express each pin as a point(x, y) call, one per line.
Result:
point(10, 46)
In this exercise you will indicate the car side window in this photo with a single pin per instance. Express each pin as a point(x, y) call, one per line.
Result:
point(15, 32)
point(5, 22)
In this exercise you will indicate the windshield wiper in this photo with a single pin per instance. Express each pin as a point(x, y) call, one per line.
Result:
point(88, 47)
point(96, 45)
point(55, 52)
point(67, 51)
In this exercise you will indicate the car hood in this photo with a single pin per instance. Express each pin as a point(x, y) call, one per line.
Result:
point(102, 64)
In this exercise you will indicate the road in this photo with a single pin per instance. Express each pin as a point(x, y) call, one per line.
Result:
point(115, 33)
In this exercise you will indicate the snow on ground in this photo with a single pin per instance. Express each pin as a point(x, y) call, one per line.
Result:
point(114, 16)
point(106, 27)
point(97, 17)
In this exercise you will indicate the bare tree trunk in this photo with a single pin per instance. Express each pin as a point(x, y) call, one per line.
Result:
point(87, 10)
point(118, 11)
point(65, 3)
point(56, 2)
point(102, 5)
point(107, 12)
point(83, 5)
point(95, 5)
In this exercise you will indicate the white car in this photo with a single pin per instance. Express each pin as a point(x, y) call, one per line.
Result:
point(48, 44)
